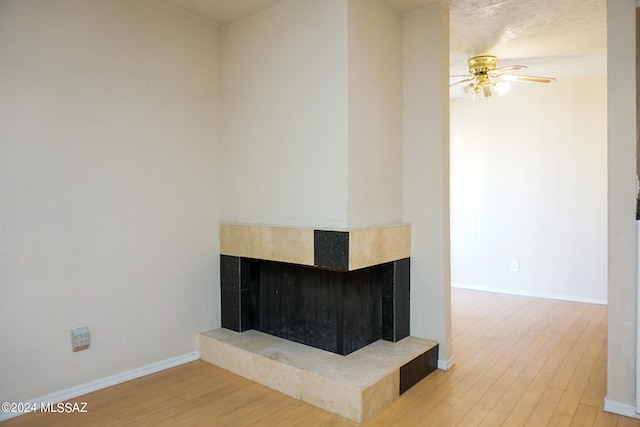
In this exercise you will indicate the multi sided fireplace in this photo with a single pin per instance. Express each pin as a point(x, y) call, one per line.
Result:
point(334, 290)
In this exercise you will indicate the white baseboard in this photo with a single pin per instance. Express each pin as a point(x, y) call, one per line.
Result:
point(99, 384)
point(529, 293)
point(620, 409)
point(445, 365)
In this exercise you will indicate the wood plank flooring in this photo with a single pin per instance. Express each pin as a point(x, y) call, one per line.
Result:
point(520, 361)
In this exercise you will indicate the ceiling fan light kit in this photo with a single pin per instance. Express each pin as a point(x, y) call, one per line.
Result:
point(485, 79)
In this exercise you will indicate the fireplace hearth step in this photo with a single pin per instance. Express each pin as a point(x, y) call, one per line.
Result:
point(357, 386)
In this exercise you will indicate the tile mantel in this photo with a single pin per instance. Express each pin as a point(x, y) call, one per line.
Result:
point(339, 249)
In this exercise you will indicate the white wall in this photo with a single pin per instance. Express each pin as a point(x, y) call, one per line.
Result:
point(528, 183)
point(426, 173)
point(109, 182)
point(622, 229)
point(285, 109)
point(375, 114)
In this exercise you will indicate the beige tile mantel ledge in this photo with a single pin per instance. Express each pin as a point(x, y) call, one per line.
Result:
point(367, 246)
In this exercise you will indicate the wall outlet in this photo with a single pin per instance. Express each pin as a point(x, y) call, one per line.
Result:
point(80, 338)
point(515, 266)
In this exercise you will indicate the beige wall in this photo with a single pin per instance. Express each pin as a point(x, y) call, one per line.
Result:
point(529, 183)
point(109, 181)
point(426, 173)
point(313, 115)
point(375, 114)
point(286, 123)
point(622, 229)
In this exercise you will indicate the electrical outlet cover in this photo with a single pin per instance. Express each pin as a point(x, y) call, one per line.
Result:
point(80, 338)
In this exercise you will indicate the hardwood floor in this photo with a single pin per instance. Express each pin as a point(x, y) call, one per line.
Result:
point(520, 361)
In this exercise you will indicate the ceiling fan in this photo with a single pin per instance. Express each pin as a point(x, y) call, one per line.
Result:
point(484, 78)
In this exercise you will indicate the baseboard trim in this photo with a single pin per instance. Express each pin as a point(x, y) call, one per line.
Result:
point(445, 365)
point(620, 409)
point(101, 383)
point(530, 293)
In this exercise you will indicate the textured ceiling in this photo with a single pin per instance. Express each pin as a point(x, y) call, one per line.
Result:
point(565, 38)
point(556, 38)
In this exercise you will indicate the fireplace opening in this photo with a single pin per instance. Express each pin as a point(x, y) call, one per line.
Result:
point(334, 310)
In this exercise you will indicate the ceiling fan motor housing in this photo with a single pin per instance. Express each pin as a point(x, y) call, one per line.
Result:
point(482, 64)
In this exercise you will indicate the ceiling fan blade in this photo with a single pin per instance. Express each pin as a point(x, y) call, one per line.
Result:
point(501, 70)
point(534, 79)
point(460, 75)
point(461, 81)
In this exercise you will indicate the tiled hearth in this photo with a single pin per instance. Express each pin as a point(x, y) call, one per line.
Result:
point(321, 315)
point(357, 386)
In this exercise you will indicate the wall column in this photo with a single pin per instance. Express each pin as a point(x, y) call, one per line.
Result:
point(426, 173)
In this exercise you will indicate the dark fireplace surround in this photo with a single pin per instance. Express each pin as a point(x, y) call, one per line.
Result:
point(326, 305)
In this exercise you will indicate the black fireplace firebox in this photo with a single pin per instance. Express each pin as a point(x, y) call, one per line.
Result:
point(329, 308)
